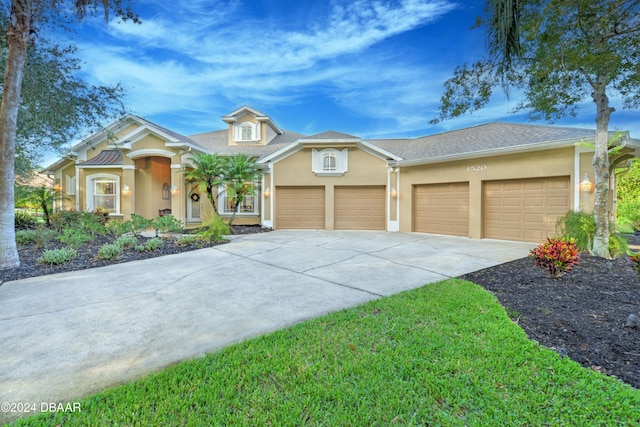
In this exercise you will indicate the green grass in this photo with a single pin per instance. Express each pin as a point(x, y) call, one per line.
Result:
point(445, 354)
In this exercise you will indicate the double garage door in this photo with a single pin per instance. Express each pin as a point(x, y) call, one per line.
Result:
point(525, 210)
point(522, 209)
point(355, 208)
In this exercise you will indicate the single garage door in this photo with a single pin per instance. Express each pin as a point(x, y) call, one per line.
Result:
point(359, 208)
point(524, 209)
point(441, 208)
point(300, 207)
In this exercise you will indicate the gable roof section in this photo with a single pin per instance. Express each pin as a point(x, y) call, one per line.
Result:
point(491, 138)
point(329, 138)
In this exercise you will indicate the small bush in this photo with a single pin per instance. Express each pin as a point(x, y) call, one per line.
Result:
point(168, 223)
point(40, 237)
point(24, 220)
point(26, 236)
point(557, 255)
point(57, 256)
point(127, 241)
point(579, 226)
point(109, 251)
point(153, 244)
point(139, 223)
point(74, 238)
point(214, 229)
point(618, 245)
point(188, 239)
point(140, 248)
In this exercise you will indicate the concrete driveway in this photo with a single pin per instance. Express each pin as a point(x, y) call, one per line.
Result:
point(68, 335)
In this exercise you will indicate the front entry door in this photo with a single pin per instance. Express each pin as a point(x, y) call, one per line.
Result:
point(194, 205)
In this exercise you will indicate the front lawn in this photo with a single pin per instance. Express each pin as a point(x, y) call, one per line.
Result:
point(445, 354)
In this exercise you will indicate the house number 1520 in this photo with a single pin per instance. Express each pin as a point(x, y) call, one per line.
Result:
point(476, 168)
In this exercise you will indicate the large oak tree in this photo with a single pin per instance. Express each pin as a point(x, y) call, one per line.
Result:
point(561, 54)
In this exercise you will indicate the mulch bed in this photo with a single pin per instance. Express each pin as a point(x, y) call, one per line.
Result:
point(88, 255)
point(581, 315)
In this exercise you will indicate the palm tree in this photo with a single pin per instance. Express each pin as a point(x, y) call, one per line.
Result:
point(503, 30)
point(43, 197)
point(206, 171)
point(240, 171)
point(25, 14)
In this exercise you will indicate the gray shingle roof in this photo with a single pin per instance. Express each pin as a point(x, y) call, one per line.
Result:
point(216, 142)
point(476, 139)
point(331, 134)
point(169, 132)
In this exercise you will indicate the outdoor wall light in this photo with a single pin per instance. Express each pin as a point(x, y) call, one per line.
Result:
point(394, 193)
point(585, 185)
point(267, 193)
point(174, 189)
point(126, 190)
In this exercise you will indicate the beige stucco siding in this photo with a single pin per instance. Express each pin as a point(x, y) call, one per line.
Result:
point(296, 170)
point(559, 162)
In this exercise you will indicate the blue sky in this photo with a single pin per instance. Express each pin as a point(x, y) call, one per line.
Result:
point(368, 68)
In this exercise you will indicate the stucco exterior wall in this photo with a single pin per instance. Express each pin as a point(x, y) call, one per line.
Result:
point(296, 170)
point(537, 164)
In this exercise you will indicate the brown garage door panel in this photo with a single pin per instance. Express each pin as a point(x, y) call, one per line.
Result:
point(300, 207)
point(441, 208)
point(359, 208)
point(525, 209)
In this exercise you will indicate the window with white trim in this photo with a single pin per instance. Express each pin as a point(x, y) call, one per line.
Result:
point(329, 161)
point(246, 131)
point(70, 188)
point(103, 192)
point(247, 134)
point(248, 206)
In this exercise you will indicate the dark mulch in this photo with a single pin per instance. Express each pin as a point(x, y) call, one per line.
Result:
point(88, 255)
point(581, 315)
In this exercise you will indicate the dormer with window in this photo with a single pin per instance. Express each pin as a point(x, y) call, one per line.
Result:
point(250, 127)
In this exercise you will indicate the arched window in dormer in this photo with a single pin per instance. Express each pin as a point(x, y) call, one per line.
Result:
point(246, 131)
point(329, 162)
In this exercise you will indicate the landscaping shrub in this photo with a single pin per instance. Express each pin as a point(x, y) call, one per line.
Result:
point(187, 239)
point(168, 223)
point(556, 255)
point(214, 229)
point(117, 227)
point(127, 241)
point(26, 236)
point(139, 223)
point(151, 245)
point(74, 237)
point(24, 220)
point(618, 245)
point(579, 226)
point(57, 256)
point(109, 251)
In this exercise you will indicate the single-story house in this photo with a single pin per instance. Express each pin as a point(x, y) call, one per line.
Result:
point(497, 180)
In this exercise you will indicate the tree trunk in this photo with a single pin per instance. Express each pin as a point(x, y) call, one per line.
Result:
point(18, 38)
point(601, 170)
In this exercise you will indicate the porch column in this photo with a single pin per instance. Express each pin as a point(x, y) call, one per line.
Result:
point(177, 190)
point(128, 191)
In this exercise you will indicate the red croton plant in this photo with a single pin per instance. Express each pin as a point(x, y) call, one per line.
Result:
point(556, 255)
